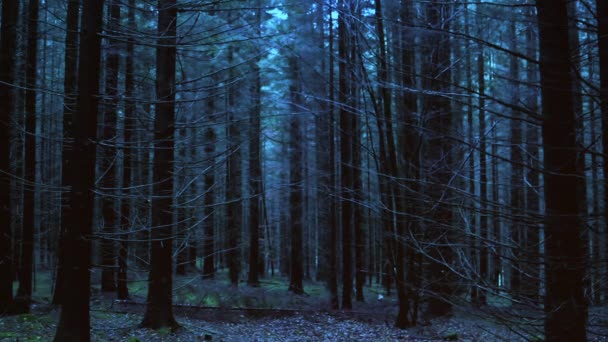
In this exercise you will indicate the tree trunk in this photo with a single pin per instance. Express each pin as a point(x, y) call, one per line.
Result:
point(565, 307)
point(122, 289)
point(108, 155)
point(333, 220)
point(8, 43)
point(74, 323)
point(233, 182)
point(345, 159)
point(296, 180)
point(602, 15)
point(517, 178)
point(208, 231)
point(255, 165)
point(159, 308)
point(69, 107)
point(439, 159)
point(24, 293)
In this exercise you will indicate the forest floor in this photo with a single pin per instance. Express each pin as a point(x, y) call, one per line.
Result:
point(213, 310)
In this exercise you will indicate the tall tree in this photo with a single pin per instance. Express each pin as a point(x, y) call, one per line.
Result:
point(108, 153)
point(255, 163)
point(438, 109)
point(24, 293)
point(565, 308)
point(346, 168)
point(8, 43)
point(74, 323)
point(602, 15)
point(70, 83)
point(296, 180)
point(122, 289)
point(159, 308)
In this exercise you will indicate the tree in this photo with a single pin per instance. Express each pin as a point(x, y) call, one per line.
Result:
point(159, 303)
point(296, 210)
point(565, 307)
point(438, 168)
point(109, 165)
point(255, 164)
point(74, 323)
point(70, 83)
point(8, 42)
point(122, 290)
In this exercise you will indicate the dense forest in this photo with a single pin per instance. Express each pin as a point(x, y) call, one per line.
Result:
point(435, 157)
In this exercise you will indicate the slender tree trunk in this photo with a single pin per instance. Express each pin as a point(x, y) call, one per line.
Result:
point(122, 289)
point(69, 107)
point(565, 307)
point(74, 323)
point(332, 281)
point(24, 293)
point(296, 180)
point(517, 177)
point(208, 231)
point(159, 308)
point(602, 15)
point(345, 158)
point(108, 155)
point(531, 285)
point(233, 182)
point(255, 165)
point(8, 43)
point(484, 221)
point(439, 167)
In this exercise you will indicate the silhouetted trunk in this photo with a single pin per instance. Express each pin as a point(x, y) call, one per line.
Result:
point(345, 158)
point(208, 231)
point(233, 180)
point(333, 220)
point(602, 16)
point(517, 176)
point(24, 293)
point(565, 307)
point(69, 108)
point(74, 323)
point(8, 43)
point(296, 205)
point(255, 166)
point(436, 67)
point(159, 308)
point(108, 155)
point(129, 124)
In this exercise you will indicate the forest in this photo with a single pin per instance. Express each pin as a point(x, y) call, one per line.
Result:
point(303, 170)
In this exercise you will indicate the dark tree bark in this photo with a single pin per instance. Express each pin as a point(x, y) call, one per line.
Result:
point(484, 221)
point(438, 109)
point(24, 293)
point(602, 15)
point(108, 153)
point(74, 323)
point(208, 233)
point(333, 221)
point(233, 182)
point(517, 177)
point(159, 308)
point(69, 107)
point(8, 43)
point(346, 168)
point(296, 180)
point(565, 307)
point(255, 166)
point(122, 289)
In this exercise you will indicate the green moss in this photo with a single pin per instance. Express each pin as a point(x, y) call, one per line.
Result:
point(8, 334)
point(132, 339)
point(451, 336)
